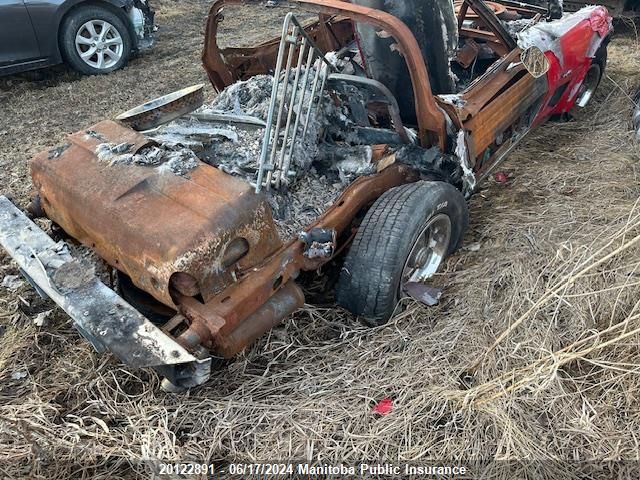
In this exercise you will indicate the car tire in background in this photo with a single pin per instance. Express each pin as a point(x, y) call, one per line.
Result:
point(95, 40)
point(404, 236)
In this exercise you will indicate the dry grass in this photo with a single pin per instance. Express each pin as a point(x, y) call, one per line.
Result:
point(558, 269)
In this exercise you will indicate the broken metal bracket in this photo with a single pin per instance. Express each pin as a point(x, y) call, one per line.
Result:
point(319, 242)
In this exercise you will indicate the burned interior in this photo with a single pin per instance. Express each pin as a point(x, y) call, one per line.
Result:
point(211, 211)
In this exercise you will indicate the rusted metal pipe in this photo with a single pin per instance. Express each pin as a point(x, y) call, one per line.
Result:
point(204, 324)
point(286, 301)
point(192, 336)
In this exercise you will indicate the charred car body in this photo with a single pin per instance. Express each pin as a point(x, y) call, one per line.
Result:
point(397, 110)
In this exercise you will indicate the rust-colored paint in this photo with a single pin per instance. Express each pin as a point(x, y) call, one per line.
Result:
point(500, 114)
point(487, 37)
point(431, 121)
point(481, 92)
point(228, 65)
point(256, 286)
point(467, 54)
point(490, 20)
point(264, 295)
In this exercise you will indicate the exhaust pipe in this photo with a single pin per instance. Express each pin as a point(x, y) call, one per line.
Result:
point(286, 301)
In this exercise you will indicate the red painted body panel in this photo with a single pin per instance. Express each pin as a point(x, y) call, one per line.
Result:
point(570, 57)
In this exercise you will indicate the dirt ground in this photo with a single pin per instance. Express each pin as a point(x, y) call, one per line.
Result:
point(552, 251)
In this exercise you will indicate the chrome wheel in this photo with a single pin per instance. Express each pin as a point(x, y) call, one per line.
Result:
point(428, 251)
point(99, 44)
point(589, 85)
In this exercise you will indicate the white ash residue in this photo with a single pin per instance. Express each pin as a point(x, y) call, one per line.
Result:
point(349, 162)
point(178, 164)
point(319, 172)
point(233, 149)
point(166, 158)
point(351, 169)
point(228, 134)
point(250, 97)
point(175, 134)
point(110, 152)
point(238, 158)
point(514, 27)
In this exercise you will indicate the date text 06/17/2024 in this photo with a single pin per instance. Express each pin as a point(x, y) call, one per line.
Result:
point(341, 469)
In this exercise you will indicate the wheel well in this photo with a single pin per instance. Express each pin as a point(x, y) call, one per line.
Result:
point(116, 10)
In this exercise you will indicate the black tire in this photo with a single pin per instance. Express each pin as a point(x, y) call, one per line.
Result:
point(601, 60)
point(601, 55)
point(74, 22)
point(599, 63)
point(370, 278)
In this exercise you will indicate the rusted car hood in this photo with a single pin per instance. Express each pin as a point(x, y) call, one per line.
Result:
point(148, 221)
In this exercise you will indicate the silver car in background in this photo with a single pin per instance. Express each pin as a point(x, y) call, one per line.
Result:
point(93, 37)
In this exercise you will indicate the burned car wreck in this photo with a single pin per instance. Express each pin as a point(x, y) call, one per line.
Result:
point(354, 140)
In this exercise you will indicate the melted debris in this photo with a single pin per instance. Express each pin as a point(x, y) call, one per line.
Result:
point(238, 158)
point(228, 134)
point(250, 97)
point(324, 163)
point(193, 135)
point(166, 157)
point(232, 149)
point(320, 171)
point(307, 199)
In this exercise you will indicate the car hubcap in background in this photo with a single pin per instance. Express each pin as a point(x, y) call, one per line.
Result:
point(589, 85)
point(430, 249)
point(99, 44)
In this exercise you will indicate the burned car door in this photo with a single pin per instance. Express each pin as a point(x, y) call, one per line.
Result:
point(18, 41)
point(503, 103)
point(499, 106)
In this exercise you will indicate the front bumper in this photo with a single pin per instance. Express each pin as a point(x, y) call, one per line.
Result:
point(99, 314)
